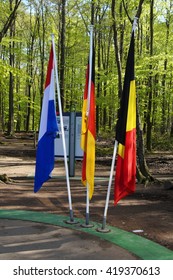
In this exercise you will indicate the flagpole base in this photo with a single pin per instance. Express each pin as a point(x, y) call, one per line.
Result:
point(103, 229)
point(71, 221)
point(87, 224)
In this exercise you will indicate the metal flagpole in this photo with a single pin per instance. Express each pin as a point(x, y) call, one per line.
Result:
point(90, 69)
point(103, 228)
point(63, 135)
point(87, 114)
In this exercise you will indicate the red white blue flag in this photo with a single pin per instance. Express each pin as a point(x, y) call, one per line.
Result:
point(47, 131)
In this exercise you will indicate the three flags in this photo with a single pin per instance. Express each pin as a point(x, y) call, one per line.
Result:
point(88, 130)
point(126, 133)
point(47, 131)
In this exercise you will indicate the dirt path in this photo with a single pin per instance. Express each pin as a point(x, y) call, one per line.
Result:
point(149, 211)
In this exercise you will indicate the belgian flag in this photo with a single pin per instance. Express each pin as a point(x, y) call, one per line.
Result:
point(125, 176)
point(88, 130)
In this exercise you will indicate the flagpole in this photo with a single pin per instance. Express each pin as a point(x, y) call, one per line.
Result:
point(90, 69)
point(103, 228)
point(87, 114)
point(63, 136)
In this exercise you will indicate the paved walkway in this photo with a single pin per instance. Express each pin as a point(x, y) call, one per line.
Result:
point(29, 240)
point(38, 235)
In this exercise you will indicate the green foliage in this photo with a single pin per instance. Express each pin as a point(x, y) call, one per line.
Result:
point(103, 151)
point(36, 20)
point(162, 142)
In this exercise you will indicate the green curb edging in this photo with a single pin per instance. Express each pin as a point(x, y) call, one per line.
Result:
point(143, 248)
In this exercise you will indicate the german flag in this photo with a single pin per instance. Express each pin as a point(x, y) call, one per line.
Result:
point(126, 133)
point(88, 132)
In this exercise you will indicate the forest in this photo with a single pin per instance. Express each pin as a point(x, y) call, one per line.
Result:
point(26, 28)
point(25, 37)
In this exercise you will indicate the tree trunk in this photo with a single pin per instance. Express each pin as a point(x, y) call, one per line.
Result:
point(1, 111)
point(117, 53)
point(164, 100)
point(143, 173)
point(11, 80)
point(33, 30)
point(62, 58)
point(99, 67)
point(150, 84)
point(41, 31)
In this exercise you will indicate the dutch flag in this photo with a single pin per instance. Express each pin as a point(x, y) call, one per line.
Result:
point(47, 131)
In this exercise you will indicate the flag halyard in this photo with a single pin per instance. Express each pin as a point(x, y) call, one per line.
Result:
point(47, 130)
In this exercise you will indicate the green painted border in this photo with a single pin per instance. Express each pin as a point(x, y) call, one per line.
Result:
point(143, 248)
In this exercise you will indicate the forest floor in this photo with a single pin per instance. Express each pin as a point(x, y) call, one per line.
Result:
point(148, 212)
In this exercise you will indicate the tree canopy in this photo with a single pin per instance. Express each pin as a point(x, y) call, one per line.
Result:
point(25, 35)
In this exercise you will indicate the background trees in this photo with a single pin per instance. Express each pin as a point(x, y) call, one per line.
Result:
point(25, 29)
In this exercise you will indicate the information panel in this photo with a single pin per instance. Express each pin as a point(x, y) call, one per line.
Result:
point(78, 150)
point(59, 152)
point(70, 130)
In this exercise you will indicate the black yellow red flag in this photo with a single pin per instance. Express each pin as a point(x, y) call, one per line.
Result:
point(125, 176)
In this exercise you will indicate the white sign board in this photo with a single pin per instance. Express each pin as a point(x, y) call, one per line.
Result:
point(59, 151)
point(78, 150)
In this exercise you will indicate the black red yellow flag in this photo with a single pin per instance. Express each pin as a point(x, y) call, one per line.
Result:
point(126, 132)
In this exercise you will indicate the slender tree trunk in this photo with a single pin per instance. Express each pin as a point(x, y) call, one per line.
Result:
point(18, 123)
point(122, 27)
point(116, 47)
point(143, 173)
point(171, 129)
point(171, 109)
point(1, 111)
point(33, 30)
point(62, 58)
point(105, 62)
point(164, 100)
point(11, 80)
point(41, 31)
point(150, 84)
